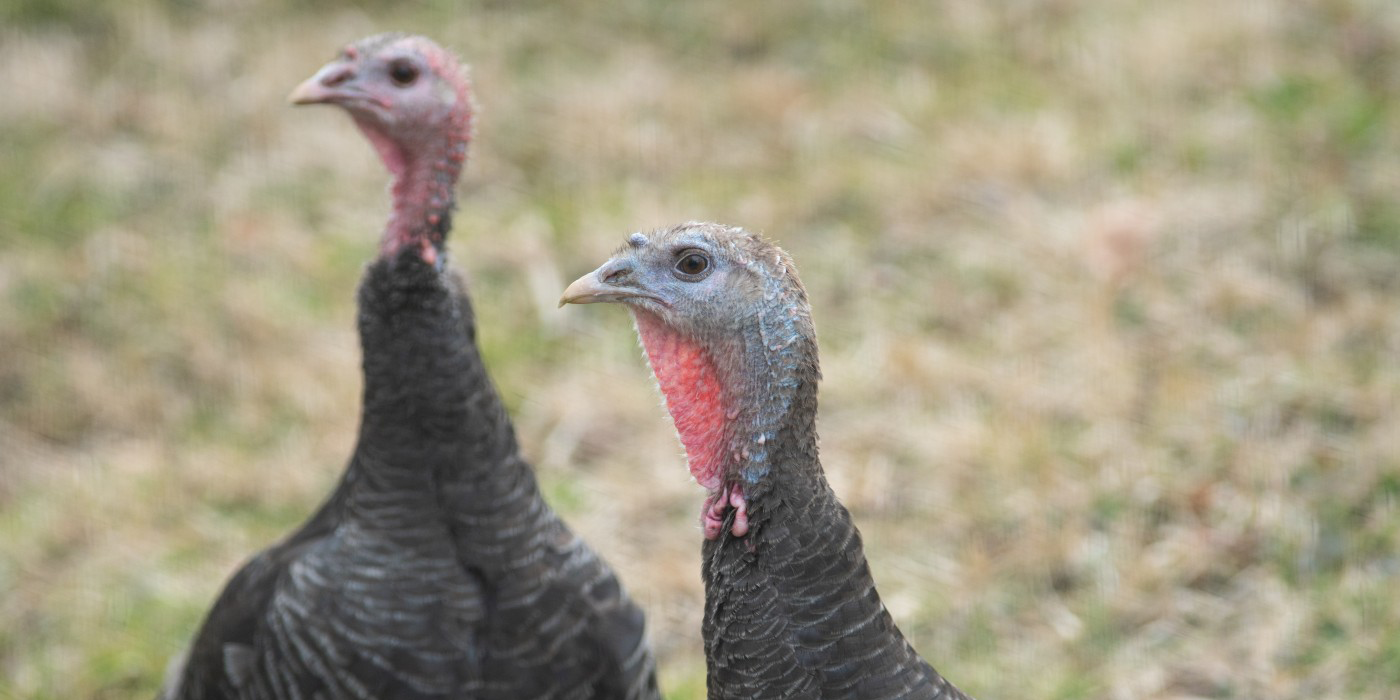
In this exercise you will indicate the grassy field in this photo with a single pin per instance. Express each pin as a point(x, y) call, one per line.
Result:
point(1108, 293)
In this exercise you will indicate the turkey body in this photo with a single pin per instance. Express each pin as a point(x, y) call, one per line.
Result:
point(435, 569)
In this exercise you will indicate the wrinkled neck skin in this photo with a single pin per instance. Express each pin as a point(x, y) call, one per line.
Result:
point(425, 171)
point(744, 407)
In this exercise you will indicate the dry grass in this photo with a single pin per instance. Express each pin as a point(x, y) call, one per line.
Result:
point(1107, 293)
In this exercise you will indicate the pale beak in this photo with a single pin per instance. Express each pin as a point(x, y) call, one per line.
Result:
point(610, 283)
point(588, 289)
point(324, 86)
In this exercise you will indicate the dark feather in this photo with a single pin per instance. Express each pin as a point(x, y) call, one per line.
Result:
point(435, 569)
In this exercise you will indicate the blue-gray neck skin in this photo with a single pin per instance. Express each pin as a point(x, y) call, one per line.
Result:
point(773, 374)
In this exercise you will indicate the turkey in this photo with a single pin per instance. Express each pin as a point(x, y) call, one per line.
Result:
point(435, 569)
point(791, 609)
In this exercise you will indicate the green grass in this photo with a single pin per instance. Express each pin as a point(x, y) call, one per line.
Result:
point(1106, 292)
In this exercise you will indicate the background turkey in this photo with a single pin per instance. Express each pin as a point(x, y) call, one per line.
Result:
point(791, 609)
point(435, 569)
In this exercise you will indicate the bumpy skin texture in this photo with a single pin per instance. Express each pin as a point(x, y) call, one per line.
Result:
point(435, 569)
point(791, 610)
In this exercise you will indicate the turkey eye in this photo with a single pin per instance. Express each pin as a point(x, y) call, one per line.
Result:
point(692, 266)
point(403, 72)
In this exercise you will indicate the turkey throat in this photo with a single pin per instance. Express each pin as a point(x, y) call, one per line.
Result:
point(739, 406)
point(425, 168)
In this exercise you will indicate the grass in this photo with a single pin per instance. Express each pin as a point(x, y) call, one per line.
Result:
point(1106, 292)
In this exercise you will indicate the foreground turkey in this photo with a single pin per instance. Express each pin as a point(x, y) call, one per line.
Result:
point(791, 610)
point(434, 570)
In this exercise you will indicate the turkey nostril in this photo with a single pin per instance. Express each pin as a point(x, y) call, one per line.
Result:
point(337, 78)
point(617, 276)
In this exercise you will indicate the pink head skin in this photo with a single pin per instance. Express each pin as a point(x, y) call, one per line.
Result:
point(728, 334)
point(412, 101)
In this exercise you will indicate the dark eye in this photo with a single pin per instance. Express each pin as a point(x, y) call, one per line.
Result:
point(692, 265)
point(403, 72)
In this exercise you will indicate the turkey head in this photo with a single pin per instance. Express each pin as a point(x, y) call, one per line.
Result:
point(412, 100)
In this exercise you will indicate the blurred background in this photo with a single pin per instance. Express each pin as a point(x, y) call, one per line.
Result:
point(1108, 295)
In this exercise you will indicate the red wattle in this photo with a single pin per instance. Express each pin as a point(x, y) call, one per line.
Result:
point(688, 380)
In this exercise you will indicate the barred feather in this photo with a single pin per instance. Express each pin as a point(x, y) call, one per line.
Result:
point(435, 570)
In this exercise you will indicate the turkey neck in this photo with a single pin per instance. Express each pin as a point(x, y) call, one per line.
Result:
point(773, 434)
point(776, 597)
point(429, 406)
point(425, 168)
point(430, 411)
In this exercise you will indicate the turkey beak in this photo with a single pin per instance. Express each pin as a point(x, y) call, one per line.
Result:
point(613, 282)
point(324, 86)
